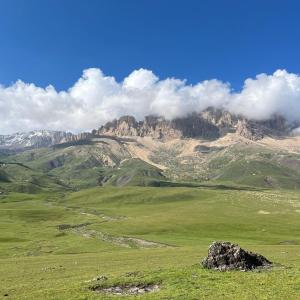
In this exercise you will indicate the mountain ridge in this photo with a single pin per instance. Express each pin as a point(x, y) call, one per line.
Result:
point(209, 124)
point(38, 139)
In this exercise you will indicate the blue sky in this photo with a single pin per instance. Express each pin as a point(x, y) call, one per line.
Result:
point(52, 41)
point(108, 58)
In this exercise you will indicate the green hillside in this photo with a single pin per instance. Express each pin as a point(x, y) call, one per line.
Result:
point(107, 161)
point(243, 164)
point(75, 166)
point(21, 178)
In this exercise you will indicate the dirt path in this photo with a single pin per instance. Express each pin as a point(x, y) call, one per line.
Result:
point(123, 241)
point(127, 242)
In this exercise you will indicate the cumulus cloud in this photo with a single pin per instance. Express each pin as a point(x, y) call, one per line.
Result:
point(96, 98)
point(296, 131)
point(267, 95)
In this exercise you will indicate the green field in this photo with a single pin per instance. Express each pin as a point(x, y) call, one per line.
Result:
point(52, 244)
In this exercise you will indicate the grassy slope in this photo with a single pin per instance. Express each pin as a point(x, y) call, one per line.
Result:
point(136, 173)
point(102, 162)
point(258, 166)
point(252, 165)
point(75, 166)
point(21, 178)
point(79, 166)
point(39, 261)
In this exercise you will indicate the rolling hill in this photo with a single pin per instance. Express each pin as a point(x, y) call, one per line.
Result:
point(111, 160)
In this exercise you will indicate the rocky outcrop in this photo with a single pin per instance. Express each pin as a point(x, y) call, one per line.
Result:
point(276, 125)
point(192, 126)
point(224, 256)
point(210, 124)
point(125, 126)
point(249, 130)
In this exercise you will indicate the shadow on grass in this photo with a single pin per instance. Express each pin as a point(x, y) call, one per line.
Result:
point(201, 185)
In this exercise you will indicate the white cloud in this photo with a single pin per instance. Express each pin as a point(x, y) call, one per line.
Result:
point(296, 131)
point(95, 99)
point(140, 79)
point(269, 94)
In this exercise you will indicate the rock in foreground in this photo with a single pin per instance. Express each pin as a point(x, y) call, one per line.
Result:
point(224, 256)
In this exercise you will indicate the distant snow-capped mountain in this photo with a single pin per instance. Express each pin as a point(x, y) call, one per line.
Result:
point(34, 139)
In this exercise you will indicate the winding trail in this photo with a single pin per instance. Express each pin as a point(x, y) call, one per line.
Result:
point(123, 241)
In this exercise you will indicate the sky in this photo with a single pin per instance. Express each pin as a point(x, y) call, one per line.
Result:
point(73, 65)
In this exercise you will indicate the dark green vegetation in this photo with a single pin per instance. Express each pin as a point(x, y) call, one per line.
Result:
point(71, 213)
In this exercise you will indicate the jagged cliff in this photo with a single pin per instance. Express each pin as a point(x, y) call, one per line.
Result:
point(210, 124)
point(157, 127)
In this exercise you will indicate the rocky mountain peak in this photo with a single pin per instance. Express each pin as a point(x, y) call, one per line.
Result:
point(211, 123)
point(39, 139)
point(33, 139)
point(161, 128)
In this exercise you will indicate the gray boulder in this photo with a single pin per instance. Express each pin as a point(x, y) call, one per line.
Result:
point(224, 256)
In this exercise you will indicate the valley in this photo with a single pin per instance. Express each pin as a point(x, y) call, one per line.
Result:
point(149, 150)
point(90, 217)
point(45, 251)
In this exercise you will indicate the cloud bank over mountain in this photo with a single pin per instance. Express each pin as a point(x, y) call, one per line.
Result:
point(96, 98)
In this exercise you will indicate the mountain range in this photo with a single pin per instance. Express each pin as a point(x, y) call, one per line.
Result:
point(212, 147)
point(210, 124)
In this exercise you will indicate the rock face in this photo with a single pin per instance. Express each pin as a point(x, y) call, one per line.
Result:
point(192, 126)
point(224, 256)
point(211, 123)
point(249, 130)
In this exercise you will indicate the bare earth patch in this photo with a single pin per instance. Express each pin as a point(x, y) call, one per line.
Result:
point(263, 212)
point(127, 242)
point(128, 289)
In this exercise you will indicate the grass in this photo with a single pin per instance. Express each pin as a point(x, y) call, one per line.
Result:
point(41, 261)
point(85, 164)
point(252, 165)
point(74, 167)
